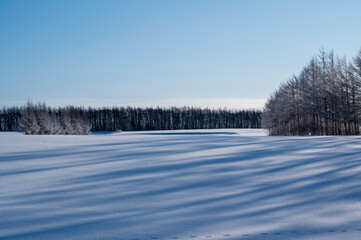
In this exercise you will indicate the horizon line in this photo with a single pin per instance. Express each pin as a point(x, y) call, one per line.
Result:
point(211, 103)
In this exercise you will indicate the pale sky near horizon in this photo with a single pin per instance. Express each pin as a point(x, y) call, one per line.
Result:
point(208, 53)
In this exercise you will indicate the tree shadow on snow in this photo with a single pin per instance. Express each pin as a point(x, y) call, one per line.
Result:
point(181, 186)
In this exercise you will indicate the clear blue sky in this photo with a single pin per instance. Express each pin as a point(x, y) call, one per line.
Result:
point(164, 52)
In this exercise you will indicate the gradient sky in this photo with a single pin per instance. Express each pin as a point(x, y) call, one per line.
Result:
point(186, 52)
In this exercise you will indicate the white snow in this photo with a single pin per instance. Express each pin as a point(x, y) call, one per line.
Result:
point(203, 184)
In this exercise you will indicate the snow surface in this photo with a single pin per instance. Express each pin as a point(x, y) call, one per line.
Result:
point(214, 184)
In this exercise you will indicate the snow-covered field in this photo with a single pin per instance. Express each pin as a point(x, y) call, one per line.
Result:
point(214, 184)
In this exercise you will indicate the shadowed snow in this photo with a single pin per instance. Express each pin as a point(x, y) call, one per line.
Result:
point(202, 184)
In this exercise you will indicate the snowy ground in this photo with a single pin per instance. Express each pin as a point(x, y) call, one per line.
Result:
point(221, 184)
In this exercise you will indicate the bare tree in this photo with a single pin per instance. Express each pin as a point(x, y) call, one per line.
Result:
point(324, 99)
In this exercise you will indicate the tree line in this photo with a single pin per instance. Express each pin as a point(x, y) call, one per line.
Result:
point(40, 119)
point(135, 119)
point(324, 99)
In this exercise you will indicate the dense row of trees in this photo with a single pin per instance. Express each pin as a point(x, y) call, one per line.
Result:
point(39, 119)
point(324, 99)
point(120, 118)
point(9, 118)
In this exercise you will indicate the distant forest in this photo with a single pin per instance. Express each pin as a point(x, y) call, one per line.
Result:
point(40, 119)
point(324, 99)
